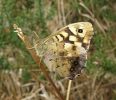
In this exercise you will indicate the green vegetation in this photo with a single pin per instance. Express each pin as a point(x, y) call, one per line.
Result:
point(44, 17)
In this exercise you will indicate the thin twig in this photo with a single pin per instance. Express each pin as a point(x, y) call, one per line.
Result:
point(68, 90)
point(63, 13)
point(59, 13)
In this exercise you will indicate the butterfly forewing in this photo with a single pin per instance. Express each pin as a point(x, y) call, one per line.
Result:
point(66, 50)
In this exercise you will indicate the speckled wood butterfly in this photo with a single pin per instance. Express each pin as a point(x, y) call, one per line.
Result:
point(66, 49)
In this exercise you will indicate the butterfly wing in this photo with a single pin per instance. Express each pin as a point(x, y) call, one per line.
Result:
point(66, 50)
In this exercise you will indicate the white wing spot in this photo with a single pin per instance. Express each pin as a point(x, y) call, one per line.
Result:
point(72, 38)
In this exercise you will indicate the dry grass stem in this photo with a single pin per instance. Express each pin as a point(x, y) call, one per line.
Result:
point(68, 90)
point(36, 58)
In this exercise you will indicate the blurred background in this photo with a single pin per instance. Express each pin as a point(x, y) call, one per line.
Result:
point(21, 78)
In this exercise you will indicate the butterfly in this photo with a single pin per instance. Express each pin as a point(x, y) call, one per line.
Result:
point(65, 51)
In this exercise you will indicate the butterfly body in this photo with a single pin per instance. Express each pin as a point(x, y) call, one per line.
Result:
point(66, 50)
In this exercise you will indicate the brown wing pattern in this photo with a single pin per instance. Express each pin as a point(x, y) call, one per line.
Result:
point(66, 50)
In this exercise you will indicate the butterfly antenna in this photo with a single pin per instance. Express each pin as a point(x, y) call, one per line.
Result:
point(68, 90)
point(36, 35)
